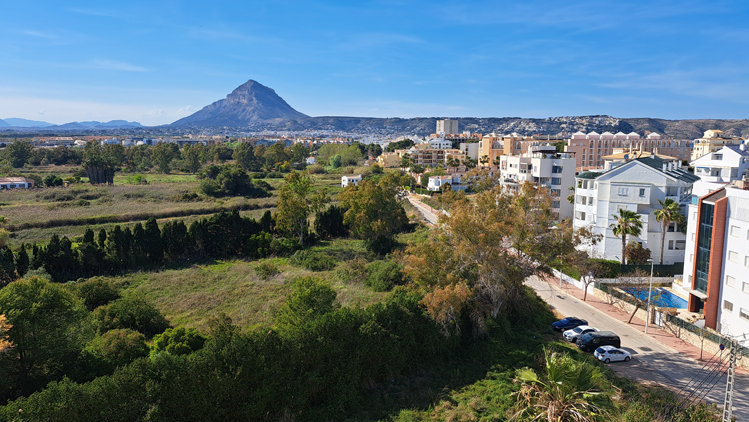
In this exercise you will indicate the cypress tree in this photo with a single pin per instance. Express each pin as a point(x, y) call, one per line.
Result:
point(22, 261)
point(155, 246)
point(103, 240)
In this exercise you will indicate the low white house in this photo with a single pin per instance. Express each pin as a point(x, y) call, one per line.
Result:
point(348, 180)
point(310, 160)
point(437, 182)
point(15, 183)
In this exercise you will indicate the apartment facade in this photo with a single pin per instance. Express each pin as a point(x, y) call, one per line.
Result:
point(637, 186)
point(721, 167)
point(493, 146)
point(716, 269)
point(542, 166)
point(711, 141)
point(591, 148)
point(447, 126)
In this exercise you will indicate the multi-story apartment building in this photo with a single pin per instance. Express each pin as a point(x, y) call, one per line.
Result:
point(635, 185)
point(422, 155)
point(716, 267)
point(591, 148)
point(542, 166)
point(493, 146)
point(719, 168)
point(712, 140)
point(447, 126)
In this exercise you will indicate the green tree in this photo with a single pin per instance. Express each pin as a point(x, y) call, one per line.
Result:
point(484, 160)
point(329, 223)
point(336, 161)
point(18, 152)
point(178, 341)
point(668, 213)
point(310, 298)
point(568, 391)
point(373, 212)
point(404, 144)
point(100, 162)
point(22, 260)
point(163, 154)
point(46, 332)
point(628, 223)
point(298, 153)
point(131, 312)
point(192, 157)
point(244, 155)
point(276, 154)
point(113, 349)
point(296, 202)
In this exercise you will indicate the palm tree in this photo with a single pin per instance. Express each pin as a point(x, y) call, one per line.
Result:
point(627, 223)
point(569, 391)
point(484, 159)
point(667, 214)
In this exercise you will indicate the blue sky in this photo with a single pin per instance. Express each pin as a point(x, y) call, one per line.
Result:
point(155, 62)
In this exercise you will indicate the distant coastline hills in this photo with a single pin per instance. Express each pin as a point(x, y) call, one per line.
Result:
point(253, 107)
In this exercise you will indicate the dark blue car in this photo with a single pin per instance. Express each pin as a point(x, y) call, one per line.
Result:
point(568, 323)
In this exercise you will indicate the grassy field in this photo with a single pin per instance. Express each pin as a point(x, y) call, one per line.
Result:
point(34, 215)
point(192, 294)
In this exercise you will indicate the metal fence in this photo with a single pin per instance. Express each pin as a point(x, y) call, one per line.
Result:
point(706, 334)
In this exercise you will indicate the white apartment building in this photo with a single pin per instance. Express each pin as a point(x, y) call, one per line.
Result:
point(636, 185)
point(542, 166)
point(439, 143)
point(719, 168)
point(447, 126)
point(716, 268)
point(437, 182)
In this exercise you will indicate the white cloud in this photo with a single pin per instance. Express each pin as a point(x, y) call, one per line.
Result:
point(116, 65)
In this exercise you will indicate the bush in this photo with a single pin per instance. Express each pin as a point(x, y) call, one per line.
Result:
point(352, 271)
point(384, 275)
point(96, 292)
point(608, 268)
point(313, 261)
point(316, 169)
point(309, 299)
point(266, 270)
point(178, 341)
point(113, 349)
point(131, 312)
point(284, 246)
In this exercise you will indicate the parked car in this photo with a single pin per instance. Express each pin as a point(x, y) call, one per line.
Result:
point(568, 323)
point(575, 333)
point(591, 341)
point(610, 354)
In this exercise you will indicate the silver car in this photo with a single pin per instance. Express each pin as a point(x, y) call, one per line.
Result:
point(610, 354)
point(575, 333)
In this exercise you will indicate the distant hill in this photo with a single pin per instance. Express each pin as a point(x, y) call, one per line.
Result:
point(251, 102)
point(3, 123)
point(15, 121)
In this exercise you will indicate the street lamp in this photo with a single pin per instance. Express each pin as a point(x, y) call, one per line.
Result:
point(650, 290)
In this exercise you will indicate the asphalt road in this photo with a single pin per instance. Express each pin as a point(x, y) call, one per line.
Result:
point(652, 361)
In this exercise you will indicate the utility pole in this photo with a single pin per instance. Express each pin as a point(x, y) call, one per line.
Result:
point(728, 401)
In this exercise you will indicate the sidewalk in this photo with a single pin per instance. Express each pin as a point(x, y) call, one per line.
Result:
point(655, 332)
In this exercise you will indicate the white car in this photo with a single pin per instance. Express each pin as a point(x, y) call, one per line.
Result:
point(610, 354)
point(575, 333)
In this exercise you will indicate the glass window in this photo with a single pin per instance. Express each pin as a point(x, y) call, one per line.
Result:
point(556, 180)
point(642, 192)
point(745, 287)
point(744, 314)
point(622, 191)
point(728, 306)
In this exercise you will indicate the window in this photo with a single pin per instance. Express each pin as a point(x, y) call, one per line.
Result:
point(728, 306)
point(556, 180)
point(745, 287)
point(580, 215)
point(671, 227)
point(556, 169)
point(735, 231)
point(730, 281)
point(555, 204)
point(642, 191)
point(733, 256)
point(744, 314)
point(623, 191)
point(556, 192)
point(746, 261)
point(670, 245)
point(590, 200)
point(717, 156)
